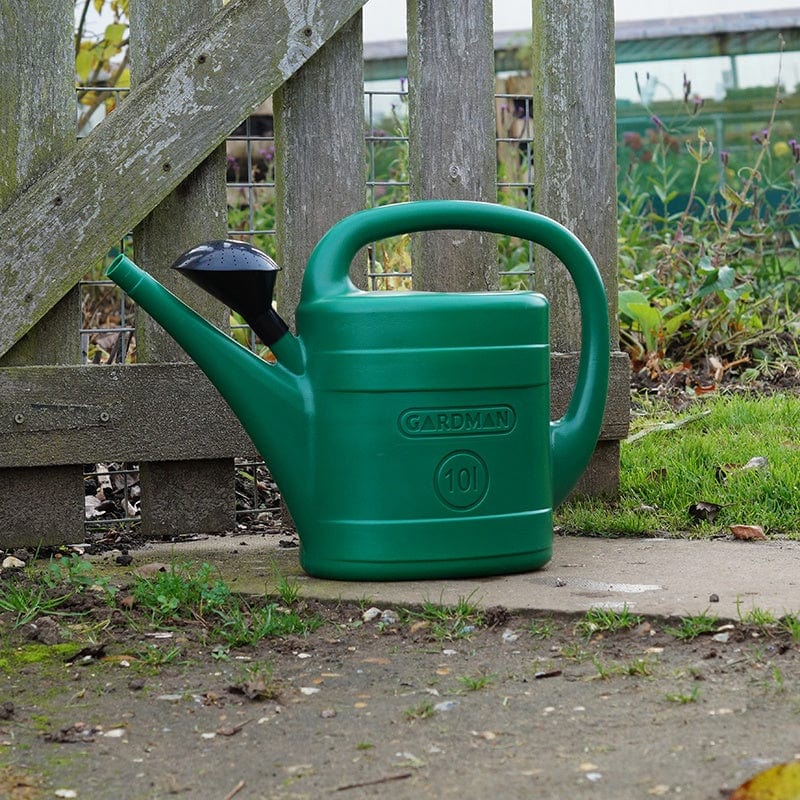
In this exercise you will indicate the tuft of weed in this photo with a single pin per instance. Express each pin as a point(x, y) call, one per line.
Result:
point(424, 710)
point(181, 592)
point(597, 620)
point(542, 628)
point(684, 697)
point(240, 625)
point(692, 626)
point(29, 601)
point(791, 624)
point(449, 622)
point(757, 617)
point(473, 683)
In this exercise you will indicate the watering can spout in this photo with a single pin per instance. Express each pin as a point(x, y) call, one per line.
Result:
point(268, 399)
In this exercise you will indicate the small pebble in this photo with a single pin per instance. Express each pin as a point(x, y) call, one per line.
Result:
point(714, 598)
point(371, 614)
point(390, 617)
point(328, 713)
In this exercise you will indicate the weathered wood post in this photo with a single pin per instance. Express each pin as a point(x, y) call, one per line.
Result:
point(37, 127)
point(179, 496)
point(575, 183)
point(319, 145)
point(320, 170)
point(452, 136)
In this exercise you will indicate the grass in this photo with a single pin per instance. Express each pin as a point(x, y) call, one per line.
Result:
point(684, 697)
point(457, 621)
point(240, 625)
point(600, 620)
point(668, 470)
point(542, 628)
point(692, 626)
point(26, 602)
point(473, 683)
point(424, 710)
point(791, 624)
point(184, 592)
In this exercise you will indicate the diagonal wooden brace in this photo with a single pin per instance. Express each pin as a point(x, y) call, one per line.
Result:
point(56, 229)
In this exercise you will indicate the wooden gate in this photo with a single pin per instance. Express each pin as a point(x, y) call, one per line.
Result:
point(156, 167)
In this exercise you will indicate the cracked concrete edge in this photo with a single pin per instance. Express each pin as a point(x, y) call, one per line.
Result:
point(652, 577)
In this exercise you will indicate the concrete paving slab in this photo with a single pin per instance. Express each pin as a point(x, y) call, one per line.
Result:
point(658, 577)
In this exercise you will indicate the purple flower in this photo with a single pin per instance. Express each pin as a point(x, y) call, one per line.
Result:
point(657, 122)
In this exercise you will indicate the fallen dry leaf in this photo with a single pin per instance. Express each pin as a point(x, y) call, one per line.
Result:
point(703, 511)
point(777, 783)
point(747, 532)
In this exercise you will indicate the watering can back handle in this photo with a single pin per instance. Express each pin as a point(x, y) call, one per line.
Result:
point(573, 437)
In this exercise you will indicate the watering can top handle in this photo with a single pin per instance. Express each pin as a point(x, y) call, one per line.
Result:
point(328, 268)
point(574, 435)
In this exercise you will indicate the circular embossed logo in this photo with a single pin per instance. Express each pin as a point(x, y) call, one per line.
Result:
point(461, 479)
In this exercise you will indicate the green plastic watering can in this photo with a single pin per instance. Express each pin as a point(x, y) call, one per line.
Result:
point(409, 432)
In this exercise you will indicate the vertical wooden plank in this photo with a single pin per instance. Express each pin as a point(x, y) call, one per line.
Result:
point(320, 168)
point(320, 173)
point(452, 135)
point(37, 126)
point(575, 167)
point(180, 496)
point(574, 148)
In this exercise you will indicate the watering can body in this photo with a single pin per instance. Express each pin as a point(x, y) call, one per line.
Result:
point(410, 432)
point(430, 453)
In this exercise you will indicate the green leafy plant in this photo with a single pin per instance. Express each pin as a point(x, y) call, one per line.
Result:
point(182, 591)
point(708, 262)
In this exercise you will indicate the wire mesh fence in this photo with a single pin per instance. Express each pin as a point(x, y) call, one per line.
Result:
point(113, 498)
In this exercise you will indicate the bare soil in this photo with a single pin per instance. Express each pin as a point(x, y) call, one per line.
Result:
point(524, 707)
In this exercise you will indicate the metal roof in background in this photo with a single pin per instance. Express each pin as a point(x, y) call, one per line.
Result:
point(713, 35)
point(638, 40)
